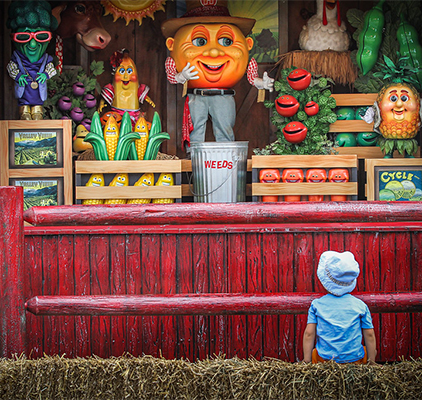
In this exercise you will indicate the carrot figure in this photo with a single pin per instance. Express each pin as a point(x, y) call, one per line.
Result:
point(269, 176)
point(316, 176)
point(292, 176)
point(338, 175)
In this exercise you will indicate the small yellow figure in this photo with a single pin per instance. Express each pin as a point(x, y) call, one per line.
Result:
point(79, 145)
point(96, 180)
point(111, 137)
point(145, 180)
point(164, 180)
point(119, 180)
point(141, 144)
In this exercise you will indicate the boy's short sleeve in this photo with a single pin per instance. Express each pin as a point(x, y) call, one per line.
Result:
point(367, 319)
point(312, 314)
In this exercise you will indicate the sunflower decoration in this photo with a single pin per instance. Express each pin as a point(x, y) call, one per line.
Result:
point(132, 9)
point(397, 110)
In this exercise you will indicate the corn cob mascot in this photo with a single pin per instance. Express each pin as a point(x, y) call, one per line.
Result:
point(209, 52)
point(125, 93)
point(31, 23)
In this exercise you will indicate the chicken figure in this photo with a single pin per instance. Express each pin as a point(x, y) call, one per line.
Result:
point(316, 176)
point(269, 176)
point(292, 176)
point(338, 175)
point(325, 30)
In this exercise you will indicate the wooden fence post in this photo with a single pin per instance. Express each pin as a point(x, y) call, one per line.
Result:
point(12, 311)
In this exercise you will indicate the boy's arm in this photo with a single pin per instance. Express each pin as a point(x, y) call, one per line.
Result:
point(371, 345)
point(308, 342)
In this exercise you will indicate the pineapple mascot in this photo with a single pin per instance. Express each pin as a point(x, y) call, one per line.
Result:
point(396, 112)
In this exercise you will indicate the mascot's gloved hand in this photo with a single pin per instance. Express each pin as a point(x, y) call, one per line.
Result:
point(369, 115)
point(187, 74)
point(264, 83)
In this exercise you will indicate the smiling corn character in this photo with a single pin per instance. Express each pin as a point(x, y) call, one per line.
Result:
point(164, 180)
point(209, 52)
point(119, 180)
point(145, 180)
point(95, 180)
point(126, 93)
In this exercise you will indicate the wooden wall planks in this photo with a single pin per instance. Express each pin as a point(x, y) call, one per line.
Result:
point(254, 260)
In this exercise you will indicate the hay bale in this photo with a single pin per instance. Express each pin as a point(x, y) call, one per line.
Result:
point(333, 64)
point(88, 155)
point(150, 378)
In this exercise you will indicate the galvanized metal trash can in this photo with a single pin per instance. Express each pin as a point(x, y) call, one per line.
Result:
point(219, 171)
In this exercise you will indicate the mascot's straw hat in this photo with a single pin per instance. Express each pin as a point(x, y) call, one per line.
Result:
point(203, 12)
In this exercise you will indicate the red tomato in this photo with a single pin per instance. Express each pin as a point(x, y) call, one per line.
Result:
point(286, 105)
point(311, 108)
point(299, 79)
point(295, 132)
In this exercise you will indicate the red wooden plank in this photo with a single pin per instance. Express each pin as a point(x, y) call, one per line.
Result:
point(33, 287)
point(229, 213)
point(270, 284)
point(151, 283)
point(416, 278)
point(217, 255)
point(236, 275)
point(51, 278)
point(118, 286)
point(305, 276)
point(185, 285)
point(168, 273)
point(201, 285)
point(372, 277)
point(254, 285)
point(134, 286)
point(287, 342)
point(336, 241)
point(66, 287)
point(12, 311)
point(402, 269)
point(211, 303)
point(320, 245)
point(100, 284)
point(354, 244)
point(388, 321)
point(82, 288)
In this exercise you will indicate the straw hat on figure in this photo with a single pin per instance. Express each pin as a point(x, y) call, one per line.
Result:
point(209, 54)
point(31, 23)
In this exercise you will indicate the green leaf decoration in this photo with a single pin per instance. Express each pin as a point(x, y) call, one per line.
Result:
point(355, 17)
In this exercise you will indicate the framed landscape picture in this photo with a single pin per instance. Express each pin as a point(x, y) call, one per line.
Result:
point(39, 148)
point(394, 179)
point(38, 156)
point(40, 191)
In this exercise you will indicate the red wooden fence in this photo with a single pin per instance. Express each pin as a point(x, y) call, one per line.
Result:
point(247, 248)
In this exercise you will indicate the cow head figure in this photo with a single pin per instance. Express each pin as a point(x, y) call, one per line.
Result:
point(83, 20)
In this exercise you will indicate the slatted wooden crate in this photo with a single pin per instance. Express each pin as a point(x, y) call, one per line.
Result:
point(84, 169)
point(304, 189)
point(355, 126)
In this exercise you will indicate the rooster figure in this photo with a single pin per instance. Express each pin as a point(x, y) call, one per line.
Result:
point(325, 30)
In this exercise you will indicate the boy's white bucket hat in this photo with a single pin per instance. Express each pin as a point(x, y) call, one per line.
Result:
point(338, 272)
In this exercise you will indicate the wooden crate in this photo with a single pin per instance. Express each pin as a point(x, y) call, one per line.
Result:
point(84, 169)
point(355, 126)
point(304, 189)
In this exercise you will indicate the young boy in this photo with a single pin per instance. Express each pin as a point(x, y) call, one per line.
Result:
point(338, 319)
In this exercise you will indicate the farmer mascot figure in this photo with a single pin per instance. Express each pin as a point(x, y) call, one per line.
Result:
point(31, 23)
point(209, 54)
